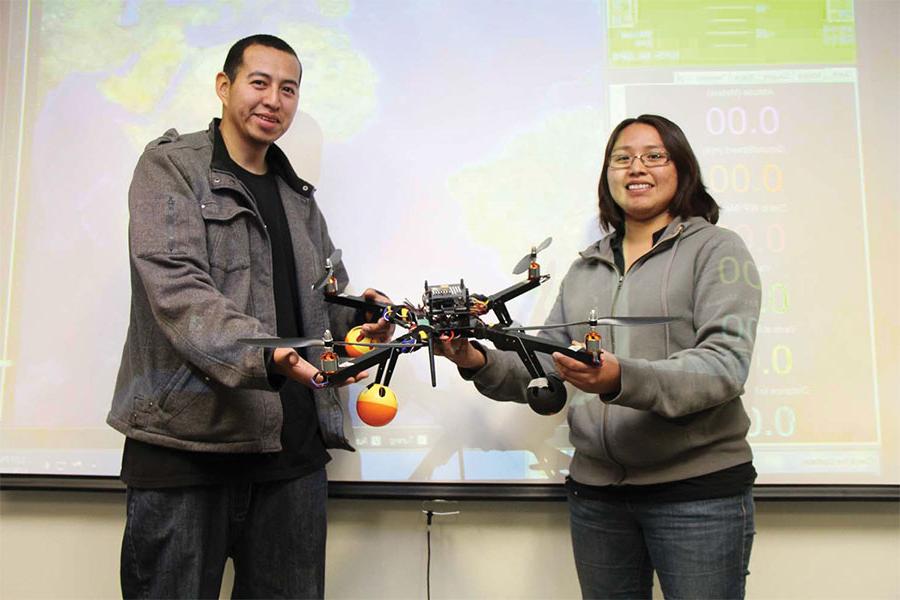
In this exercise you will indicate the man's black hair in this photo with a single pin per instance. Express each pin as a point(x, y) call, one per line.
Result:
point(235, 57)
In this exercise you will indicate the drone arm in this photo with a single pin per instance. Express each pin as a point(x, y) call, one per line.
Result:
point(499, 308)
point(510, 342)
point(357, 302)
point(392, 362)
point(497, 302)
point(544, 393)
point(377, 356)
point(516, 289)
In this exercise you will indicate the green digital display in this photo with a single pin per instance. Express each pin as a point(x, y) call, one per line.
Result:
point(666, 33)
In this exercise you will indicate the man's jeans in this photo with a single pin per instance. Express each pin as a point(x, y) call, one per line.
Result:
point(699, 548)
point(177, 540)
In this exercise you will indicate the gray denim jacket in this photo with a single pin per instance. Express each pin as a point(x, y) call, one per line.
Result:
point(679, 412)
point(201, 277)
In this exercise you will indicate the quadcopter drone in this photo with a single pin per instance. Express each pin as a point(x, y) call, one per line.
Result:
point(448, 311)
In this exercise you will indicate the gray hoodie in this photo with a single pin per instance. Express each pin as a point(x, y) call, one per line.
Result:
point(679, 413)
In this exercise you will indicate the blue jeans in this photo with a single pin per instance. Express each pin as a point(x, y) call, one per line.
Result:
point(177, 540)
point(698, 548)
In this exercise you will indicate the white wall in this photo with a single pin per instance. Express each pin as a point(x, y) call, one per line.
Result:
point(66, 544)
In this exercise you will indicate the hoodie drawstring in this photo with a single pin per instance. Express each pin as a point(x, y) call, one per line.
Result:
point(663, 294)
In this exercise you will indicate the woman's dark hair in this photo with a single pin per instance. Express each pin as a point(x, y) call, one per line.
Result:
point(691, 198)
point(235, 57)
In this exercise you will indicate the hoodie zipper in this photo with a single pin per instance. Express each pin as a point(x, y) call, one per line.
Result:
point(612, 309)
point(612, 341)
point(650, 252)
point(612, 347)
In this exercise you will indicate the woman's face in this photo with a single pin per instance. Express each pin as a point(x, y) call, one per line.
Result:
point(642, 192)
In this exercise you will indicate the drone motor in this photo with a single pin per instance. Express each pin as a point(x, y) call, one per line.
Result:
point(592, 344)
point(331, 285)
point(592, 338)
point(328, 359)
point(328, 282)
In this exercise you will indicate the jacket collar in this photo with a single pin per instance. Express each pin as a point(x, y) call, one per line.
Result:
point(274, 156)
point(602, 249)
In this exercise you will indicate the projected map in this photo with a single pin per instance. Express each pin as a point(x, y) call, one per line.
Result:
point(445, 139)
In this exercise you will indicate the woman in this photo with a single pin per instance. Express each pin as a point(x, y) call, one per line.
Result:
point(662, 474)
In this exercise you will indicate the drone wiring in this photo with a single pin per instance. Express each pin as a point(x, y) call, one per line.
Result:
point(478, 306)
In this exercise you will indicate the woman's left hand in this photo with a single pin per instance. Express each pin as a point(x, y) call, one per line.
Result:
point(605, 379)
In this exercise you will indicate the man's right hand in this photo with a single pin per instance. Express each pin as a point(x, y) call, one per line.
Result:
point(290, 364)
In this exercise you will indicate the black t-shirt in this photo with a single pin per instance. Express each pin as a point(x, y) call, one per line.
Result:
point(303, 451)
point(719, 484)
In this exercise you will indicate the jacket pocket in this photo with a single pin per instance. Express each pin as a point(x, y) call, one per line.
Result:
point(194, 410)
point(228, 229)
point(179, 392)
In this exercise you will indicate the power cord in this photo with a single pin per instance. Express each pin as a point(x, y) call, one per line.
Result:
point(435, 508)
point(430, 515)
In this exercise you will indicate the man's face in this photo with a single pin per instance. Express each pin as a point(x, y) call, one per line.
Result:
point(259, 104)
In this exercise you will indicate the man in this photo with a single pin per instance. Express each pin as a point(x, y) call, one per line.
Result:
point(226, 443)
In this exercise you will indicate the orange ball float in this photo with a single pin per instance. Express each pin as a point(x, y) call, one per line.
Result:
point(356, 335)
point(376, 405)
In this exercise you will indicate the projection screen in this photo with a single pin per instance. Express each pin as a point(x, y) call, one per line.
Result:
point(446, 139)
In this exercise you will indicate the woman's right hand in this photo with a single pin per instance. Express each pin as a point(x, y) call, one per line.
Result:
point(461, 353)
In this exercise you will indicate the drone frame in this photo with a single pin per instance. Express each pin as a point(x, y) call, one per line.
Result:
point(423, 331)
point(449, 312)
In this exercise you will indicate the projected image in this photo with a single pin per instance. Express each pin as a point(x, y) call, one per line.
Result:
point(445, 140)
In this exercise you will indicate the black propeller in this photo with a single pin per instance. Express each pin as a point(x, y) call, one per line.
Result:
point(321, 342)
point(522, 265)
point(614, 321)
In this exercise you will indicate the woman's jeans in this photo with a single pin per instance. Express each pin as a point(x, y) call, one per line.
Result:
point(177, 540)
point(698, 548)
